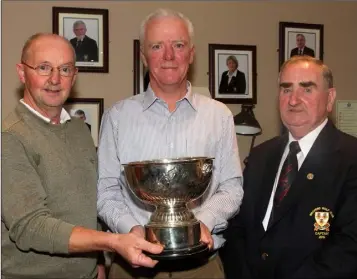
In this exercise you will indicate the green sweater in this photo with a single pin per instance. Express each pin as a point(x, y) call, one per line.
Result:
point(49, 177)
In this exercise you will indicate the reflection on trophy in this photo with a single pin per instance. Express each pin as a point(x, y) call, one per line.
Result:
point(169, 184)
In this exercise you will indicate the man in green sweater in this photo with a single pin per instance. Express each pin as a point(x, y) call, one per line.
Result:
point(49, 177)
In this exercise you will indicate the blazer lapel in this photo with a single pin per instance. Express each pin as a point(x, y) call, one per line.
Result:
point(321, 150)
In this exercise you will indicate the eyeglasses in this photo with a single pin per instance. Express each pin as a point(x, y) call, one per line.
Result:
point(47, 70)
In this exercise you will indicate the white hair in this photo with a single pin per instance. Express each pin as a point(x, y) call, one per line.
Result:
point(165, 13)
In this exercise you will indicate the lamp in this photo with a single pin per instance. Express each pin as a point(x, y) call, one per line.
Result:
point(246, 124)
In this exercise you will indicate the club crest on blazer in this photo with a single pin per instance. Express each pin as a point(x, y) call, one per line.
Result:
point(322, 216)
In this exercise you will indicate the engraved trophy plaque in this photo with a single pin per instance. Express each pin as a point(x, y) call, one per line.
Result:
point(169, 184)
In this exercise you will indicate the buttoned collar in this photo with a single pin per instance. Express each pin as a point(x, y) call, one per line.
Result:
point(307, 141)
point(234, 74)
point(151, 98)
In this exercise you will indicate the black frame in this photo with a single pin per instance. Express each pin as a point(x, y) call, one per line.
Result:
point(102, 66)
point(300, 28)
point(141, 80)
point(98, 104)
point(251, 97)
point(138, 68)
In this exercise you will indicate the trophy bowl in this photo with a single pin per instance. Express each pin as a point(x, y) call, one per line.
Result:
point(169, 184)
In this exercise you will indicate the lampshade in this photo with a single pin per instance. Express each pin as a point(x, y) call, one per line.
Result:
point(245, 122)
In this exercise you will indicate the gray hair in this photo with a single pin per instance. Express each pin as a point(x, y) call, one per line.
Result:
point(79, 22)
point(165, 13)
point(80, 112)
point(325, 70)
point(300, 35)
point(233, 58)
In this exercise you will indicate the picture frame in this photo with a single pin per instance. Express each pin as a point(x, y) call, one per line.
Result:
point(309, 37)
point(140, 73)
point(92, 50)
point(241, 88)
point(88, 109)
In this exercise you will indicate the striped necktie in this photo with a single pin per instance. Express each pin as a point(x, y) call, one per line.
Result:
point(287, 176)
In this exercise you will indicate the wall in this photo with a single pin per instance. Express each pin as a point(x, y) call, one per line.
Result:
point(251, 23)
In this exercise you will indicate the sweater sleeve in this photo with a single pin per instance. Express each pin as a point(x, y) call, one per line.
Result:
point(24, 212)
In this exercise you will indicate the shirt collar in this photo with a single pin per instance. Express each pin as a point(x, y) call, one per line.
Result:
point(64, 117)
point(150, 97)
point(307, 141)
point(234, 74)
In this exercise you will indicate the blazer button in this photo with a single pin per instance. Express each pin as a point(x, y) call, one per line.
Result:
point(264, 256)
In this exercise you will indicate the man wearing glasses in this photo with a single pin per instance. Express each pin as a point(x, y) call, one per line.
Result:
point(49, 176)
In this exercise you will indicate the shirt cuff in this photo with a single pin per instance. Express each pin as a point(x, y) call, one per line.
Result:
point(125, 224)
point(218, 241)
point(206, 218)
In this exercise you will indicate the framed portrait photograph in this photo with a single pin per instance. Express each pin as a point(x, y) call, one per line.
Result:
point(300, 39)
point(233, 73)
point(87, 31)
point(141, 73)
point(90, 110)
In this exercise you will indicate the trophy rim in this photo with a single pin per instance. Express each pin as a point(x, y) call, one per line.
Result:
point(168, 161)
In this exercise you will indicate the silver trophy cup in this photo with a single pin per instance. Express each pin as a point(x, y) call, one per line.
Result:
point(169, 184)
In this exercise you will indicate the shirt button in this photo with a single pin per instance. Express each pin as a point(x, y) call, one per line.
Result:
point(264, 256)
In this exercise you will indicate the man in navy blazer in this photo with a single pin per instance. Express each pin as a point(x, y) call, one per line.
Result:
point(301, 48)
point(313, 231)
point(85, 47)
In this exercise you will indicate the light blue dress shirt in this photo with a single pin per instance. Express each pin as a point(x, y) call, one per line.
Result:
point(142, 128)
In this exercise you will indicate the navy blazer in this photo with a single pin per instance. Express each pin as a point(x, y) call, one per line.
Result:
point(87, 51)
point(294, 246)
point(307, 51)
point(237, 84)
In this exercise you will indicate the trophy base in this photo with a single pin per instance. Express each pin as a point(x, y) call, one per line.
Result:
point(176, 254)
point(178, 241)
